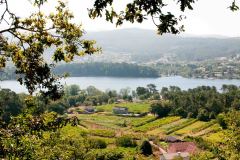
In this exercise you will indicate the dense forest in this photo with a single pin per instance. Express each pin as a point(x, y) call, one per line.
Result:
point(106, 69)
point(93, 69)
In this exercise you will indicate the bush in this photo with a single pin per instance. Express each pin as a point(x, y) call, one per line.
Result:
point(57, 107)
point(221, 121)
point(102, 133)
point(203, 115)
point(97, 143)
point(106, 154)
point(160, 109)
point(125, 141)
point(72, 100)
point(111, 100)
point(146, 148)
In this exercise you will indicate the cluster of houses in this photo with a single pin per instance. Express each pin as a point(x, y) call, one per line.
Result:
point(177, 149)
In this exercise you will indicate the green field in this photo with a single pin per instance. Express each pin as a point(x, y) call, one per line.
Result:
point(132, 107)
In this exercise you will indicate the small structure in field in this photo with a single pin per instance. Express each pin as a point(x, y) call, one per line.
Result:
point(120, 101)
point(120, 110)
point(89, 109)
point(172, 156)
point(172, 139)
point(189, 147)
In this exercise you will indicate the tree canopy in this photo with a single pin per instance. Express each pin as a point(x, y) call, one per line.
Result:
point(32, 36)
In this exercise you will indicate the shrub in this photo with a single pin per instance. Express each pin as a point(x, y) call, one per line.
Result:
point(160, 109)
point(97, 143)
point(146, 148)
point(203, 115)
point(125, 141)
point(102, 133)
point(111, 100)
point(57, 107)
point(106, 154)
point(221, 121)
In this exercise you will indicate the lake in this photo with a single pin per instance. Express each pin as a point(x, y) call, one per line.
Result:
point(104, 83)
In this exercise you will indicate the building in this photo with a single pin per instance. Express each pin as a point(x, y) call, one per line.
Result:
point(172, 156)
point(89, 109)
point(172, 139)
point(120, 110)
point(189, 147)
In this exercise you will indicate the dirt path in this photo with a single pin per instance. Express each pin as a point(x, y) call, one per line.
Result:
point(161, 150)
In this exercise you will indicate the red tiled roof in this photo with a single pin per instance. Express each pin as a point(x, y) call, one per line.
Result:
point(182, 147)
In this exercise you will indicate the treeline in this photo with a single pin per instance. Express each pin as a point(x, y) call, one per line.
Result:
point(106, 69)
point(203, 103)
point(93, 69)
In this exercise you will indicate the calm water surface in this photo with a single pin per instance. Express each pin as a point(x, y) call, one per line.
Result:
point(104, 83)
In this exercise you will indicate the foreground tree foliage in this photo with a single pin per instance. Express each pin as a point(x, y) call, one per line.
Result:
point(10, 104)
point(18, 136)
point(231, 148)
point(139, 10)
point(32, 37)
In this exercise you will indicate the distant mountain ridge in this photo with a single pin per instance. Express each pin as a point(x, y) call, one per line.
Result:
point(146, 45)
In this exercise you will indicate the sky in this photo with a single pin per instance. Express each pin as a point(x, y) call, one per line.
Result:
point(209, 17)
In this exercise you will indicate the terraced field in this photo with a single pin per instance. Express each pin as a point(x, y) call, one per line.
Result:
point(214, 137)
point(155, 124)
point(149, 125)
point(165, 128)
point(107, 126)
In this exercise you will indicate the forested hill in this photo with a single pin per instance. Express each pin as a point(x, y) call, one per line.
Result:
point(106, 69)
point(145, 45)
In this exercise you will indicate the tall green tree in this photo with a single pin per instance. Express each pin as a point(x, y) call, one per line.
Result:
point(10, 104)
point(161, 109)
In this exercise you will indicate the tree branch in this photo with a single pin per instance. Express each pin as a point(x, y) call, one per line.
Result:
point(22, 28)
